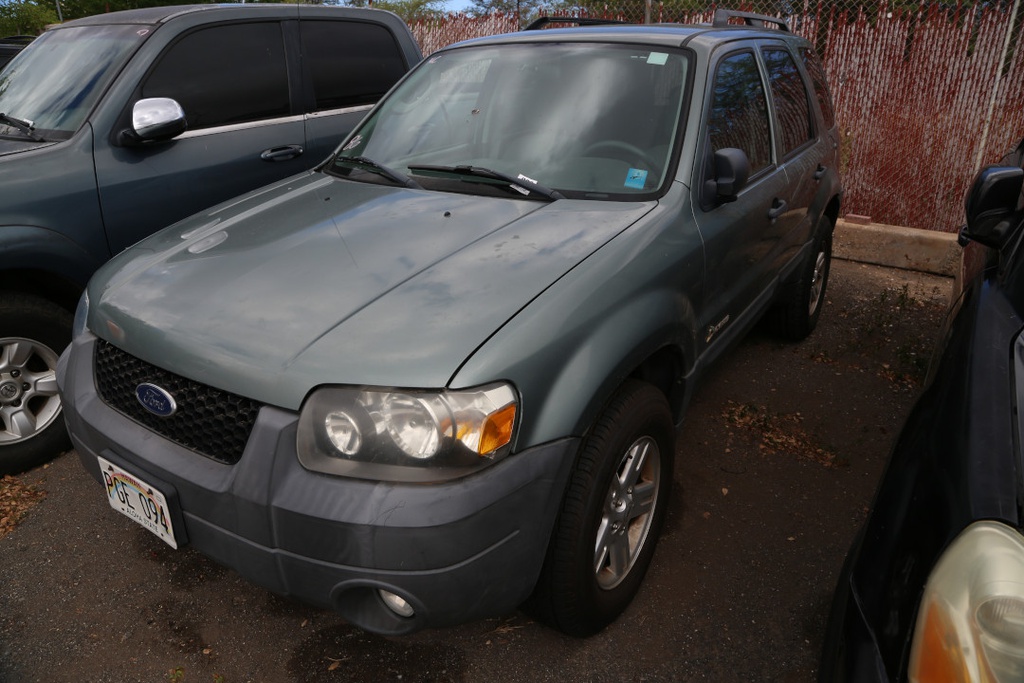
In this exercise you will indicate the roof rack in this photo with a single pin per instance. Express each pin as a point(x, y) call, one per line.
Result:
point(722, 17)
point(540, 23)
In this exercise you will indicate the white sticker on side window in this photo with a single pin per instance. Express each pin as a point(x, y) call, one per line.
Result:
point(659, 58)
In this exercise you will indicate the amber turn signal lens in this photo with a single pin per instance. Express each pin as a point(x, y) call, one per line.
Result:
point(497, 429)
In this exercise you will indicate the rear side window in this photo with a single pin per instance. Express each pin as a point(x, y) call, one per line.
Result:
point(739, 110)
point(821, 92)
point(350, 63)
point(792, 104)
point(225, 74)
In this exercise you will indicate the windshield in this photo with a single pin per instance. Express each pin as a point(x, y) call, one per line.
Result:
point(581, 120)
point(56, 80)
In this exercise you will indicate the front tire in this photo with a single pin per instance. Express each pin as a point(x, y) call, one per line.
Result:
point(33, 332)
point(611, 515)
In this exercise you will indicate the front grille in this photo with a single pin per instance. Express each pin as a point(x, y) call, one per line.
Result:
point(208, 421)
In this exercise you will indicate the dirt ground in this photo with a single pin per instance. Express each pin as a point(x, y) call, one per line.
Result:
point(777, 463)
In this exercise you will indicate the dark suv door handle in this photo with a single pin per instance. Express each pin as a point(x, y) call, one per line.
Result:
point(778, 208)
point(820, 173)
point(282, 153)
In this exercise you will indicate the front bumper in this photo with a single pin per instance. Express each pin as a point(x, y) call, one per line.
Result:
point(850, 652)
point(455, 551)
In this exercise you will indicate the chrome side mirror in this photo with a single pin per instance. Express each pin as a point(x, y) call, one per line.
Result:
point(155, 119)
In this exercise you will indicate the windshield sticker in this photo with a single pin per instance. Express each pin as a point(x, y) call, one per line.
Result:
point(353, 143)
point(636, 178)
point(658, 58)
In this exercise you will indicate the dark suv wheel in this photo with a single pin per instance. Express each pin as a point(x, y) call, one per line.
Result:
point(611, 516)
point(32, 430)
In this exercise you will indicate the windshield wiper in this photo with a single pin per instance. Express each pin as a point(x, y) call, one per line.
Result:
point(367, 164)
point(521, 183)
point(24, 126)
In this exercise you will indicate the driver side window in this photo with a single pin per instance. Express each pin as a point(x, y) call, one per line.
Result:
point(739, 111)
point(225, 74)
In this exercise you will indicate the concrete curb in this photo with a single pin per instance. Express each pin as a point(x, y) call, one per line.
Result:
point(927, 251)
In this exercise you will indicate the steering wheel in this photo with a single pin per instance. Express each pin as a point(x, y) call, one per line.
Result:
point(621, 150)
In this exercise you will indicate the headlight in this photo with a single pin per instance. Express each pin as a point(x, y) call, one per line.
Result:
point(81, 316)
point(970, 626)
point(397, 435)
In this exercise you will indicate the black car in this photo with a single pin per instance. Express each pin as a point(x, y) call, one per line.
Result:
point(11, 46)
point(933, 589)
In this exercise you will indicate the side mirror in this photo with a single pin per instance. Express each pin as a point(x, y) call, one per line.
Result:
point(993, 206)
point(155, 119)
point(732, 169)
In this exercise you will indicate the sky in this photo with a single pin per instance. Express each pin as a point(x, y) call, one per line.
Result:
point(457, 5)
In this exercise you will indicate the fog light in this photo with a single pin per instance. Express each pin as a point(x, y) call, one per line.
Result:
point(396, 603)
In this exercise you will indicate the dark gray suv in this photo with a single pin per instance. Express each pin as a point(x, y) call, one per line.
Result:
point(12, 45)
point(440, 375)
point(114, 126)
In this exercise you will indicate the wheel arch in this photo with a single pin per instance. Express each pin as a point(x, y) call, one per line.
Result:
point(567, 384)
point(44, 263)
point(832, 210)
point(659, 359)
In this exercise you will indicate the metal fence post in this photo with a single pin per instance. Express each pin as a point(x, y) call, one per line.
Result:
point(1001, 64)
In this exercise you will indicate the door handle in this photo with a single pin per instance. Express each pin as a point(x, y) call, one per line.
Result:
point(283, 153)
point(778, 208)
point(820, 173)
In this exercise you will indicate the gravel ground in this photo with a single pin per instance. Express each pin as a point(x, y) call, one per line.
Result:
point(777, 462)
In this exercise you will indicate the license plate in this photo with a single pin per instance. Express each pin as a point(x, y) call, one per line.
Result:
point(137, 500)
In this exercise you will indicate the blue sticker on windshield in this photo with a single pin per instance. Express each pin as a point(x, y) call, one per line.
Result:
point(636, 178)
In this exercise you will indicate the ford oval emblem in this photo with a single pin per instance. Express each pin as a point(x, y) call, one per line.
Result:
point(156, 400)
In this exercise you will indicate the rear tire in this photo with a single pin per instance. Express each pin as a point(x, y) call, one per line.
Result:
point(611, 516)
point(796, 313)
point(33, 333)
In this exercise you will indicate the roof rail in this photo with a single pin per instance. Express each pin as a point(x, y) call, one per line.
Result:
point(722, 17)
point(540, 23)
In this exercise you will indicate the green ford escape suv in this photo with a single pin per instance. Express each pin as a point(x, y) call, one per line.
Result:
point(439, 376)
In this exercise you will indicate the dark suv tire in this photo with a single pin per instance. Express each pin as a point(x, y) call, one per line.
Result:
point(611, 515)
point(31, 423)
point(796, 313)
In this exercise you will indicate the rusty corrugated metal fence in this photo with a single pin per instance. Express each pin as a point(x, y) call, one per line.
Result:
point(925, 93)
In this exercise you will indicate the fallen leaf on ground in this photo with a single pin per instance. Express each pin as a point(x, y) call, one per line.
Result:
point(16, 499)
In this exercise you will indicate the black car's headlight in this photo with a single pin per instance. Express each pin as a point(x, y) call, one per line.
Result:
point(970, 626)
point(399, 435)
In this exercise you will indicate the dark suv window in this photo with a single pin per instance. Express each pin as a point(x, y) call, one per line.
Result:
point(792, 104)
point(225, 74)
point(349, 63)
point(817, 74)
point(739, 110)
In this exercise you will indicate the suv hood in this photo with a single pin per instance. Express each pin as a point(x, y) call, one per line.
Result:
point(318, 280)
